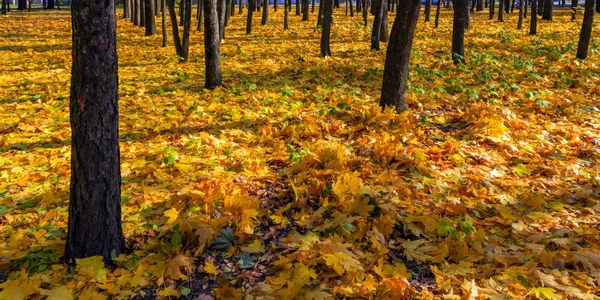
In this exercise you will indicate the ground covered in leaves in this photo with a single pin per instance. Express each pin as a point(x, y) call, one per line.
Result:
point(291, 183)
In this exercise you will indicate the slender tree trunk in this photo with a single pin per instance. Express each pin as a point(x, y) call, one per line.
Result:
point(150, 23)
point(312, 10)
point(479, 6)
point(4, 9)
point(384, 32)
point(586, 30)
point(458, 31)
point(533, 22)
point(212, 53)
point(351, 8)
point(95, 199)
point(181, 44)
point(501, 11)
point(326, 33)
point(50, 4)
point(512, 6)
point(275, 4)
point(427, 10)
point(241, 6)
point(437, 13)
point(492, 7)
point(574, 9)
point(265, 14)
point(305, 10)
point(164, 22)
point(221, 8)
point(125, 9)
point(297, 7)
point(520, 23)
point(365, 12)
point(22, 5)
point(251, 9)
point(547, 15)
point(199, 15)
point(524, 9)
point(142, 13)
point(377, 5)
point(395, 72)
point(286, 13)
point(320, 16)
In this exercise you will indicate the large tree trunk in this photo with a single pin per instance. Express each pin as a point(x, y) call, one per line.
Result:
point(150, 23)
point(297, 7)
point(265, 14)
point(397, 58)
point(533, 22)
point(305, 11)
point(212, 52)
point(458, 31)
point(22, 5)
point(251, 8)
point(377, 5)
point(547, 15)
point(95, 202)
point(479, 6)
point(437, 13)
point(586, 30)
point(327, 20)
point(427, 10)
point(164, 22)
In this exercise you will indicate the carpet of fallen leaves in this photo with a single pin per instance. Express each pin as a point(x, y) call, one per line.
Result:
point(291, 183)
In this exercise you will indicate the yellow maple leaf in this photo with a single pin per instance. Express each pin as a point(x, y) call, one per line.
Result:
point(59, 293)
point(21, 288)
point(168, 292)
point(172, 214)
point(209, 267)
point(92, 268)
point(255, 247)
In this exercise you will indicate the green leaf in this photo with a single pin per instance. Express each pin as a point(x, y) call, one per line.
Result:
point(224, 241)
point(446, 229)
point(186, 291)
point(247, 261)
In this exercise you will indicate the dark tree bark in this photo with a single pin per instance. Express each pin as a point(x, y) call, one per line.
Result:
point(525, 9)
point(336, 3)
point(251, 8)
point(265, 13)
point(182, 44)
point(492, 7)
point(540, 6)
point(574, 9)
point(598, 6)
point(22, 5)
point(221, 8)
point(479, 6)
point(427, 10)
point(4, 7)
point(50, 4)
point(320, 15)
point(150, 23)
point(351, 9)
point(95, 203)
point(365, 13)
point(512, 6)
point(313, 6)
point(275, 4)
point(384, 32)
point(533, 22)
point(164, 22)
point(182, 12)
point(142, 13)
point(305, 11)
point(326, 33)
point(126, 12)
point(375, 33)
point(458, 31)
point(520, 23)
point(297, 7)
point(138, 13)
point(397, 58)
point(241, 6)
point(547, 15)
point(586, 30)
point(286, 13)
point(437, 13)
point(212, 53)
point(501, 11)
point(227, 10)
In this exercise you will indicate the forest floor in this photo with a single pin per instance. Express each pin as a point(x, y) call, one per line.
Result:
point(292, 183)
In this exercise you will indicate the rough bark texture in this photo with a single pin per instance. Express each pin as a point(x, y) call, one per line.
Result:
point(327, 20)
point(95, 203)
point(150, 23)
point(458, 31)
point(377, 5)
point(427, 10)
point(397, 58)
point(212, 53)
point(586, 30)
point(533, 22)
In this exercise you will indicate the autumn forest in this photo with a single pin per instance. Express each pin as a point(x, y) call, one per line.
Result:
point(370, 149)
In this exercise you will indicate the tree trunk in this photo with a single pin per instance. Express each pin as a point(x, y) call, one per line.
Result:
point(94, 226)
point(501, 11)
point(275, 4)
point(212, 52)
point(512, 6)
point(241, 5)
point(377, 6)
point(4, 8)
point(384, 32)
point(574, 9)
point(479, 6)
point(547, 15)
point(164, 22)
point(305, 11)
point(150, 23)
point(320, 16)
point(325, 34)
point(351, 9)
point(533, 22)
point(265, 14)
point(181, 44)
point(437, 12)
point(50, 4)
point(492, 7)
point(397, 58)
point(251, 9)
point(125, 9)
point(313, 6)
point(286, 13)
point(297, 7)
point(365, 13)
point(221, 8)
point(22, 5)
point(199, 15)
point(525, 9)
point(520, 23)
point(142, 13)
point(586, 30)
point(458, 31)
point(427, 10)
